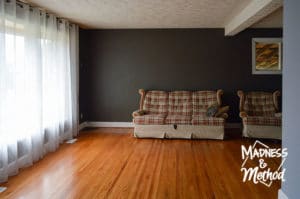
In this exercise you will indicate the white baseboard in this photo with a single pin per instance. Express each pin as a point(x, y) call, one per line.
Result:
point(281, 194)
point(131, 125)
point(106, 124)
point(110, 124)
point(83, 125)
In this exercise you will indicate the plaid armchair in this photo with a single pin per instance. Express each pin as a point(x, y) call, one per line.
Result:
point(260, 114)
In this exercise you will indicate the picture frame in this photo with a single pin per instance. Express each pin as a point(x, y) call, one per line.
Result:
point(266, 56)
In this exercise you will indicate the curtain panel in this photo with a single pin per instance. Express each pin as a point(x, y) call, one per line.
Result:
point(38, 84)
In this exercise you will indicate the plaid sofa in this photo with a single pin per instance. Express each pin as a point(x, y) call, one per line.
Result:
point(178, 114)
point(259, 113)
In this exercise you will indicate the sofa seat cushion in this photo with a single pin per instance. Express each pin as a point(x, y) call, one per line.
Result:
point(207, 121)
point(260, 120)
point(149, 119)
point(200, 112)
point(178, 119)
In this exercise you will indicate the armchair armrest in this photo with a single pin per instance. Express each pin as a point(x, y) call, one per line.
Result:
point(138, 113)
point(278, 114)
point(243, 114)
point(223, 115)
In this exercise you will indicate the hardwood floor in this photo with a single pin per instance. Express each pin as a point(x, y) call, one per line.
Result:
point(102, 164)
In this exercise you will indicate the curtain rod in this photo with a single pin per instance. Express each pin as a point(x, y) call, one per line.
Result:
point(21, 3)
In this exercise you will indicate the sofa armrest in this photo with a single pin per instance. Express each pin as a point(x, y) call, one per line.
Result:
point(243, 114)
point(138, 113)
point(278, 114)
point(223, 115)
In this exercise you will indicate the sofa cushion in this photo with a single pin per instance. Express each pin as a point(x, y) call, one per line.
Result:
point(180, 103)
point(156, 102)
point(178, 119)
point(149, 119)
point(201, 100)
point(264, 121)
point(259, 104)
point(207, 121)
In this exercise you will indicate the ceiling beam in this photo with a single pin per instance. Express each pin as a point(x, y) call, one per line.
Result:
point(252, 13)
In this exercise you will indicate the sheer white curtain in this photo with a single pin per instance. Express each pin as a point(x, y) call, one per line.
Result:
point(38, 84)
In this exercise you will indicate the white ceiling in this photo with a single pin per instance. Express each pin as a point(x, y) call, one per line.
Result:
point(118, 14)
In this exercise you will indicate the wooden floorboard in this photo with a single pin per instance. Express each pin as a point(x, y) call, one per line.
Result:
point(110, 163)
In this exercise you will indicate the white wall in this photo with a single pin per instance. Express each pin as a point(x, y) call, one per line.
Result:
point(291, 97)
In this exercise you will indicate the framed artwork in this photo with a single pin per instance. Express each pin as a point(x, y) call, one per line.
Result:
point(266, 56)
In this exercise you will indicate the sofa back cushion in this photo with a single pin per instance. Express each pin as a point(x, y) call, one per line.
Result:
point(180, 103)
point(156, 102)
point(202, 100)
point(259, 104)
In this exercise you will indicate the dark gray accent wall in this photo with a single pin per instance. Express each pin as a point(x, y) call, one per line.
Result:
point(291, 96)
point(114, 64)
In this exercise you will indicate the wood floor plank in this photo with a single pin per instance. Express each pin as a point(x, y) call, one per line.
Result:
point(110, 163)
